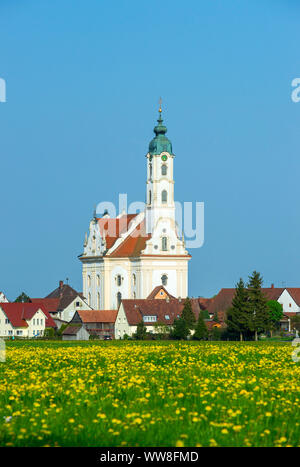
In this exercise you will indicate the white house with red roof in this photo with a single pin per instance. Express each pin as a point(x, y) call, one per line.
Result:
point(3, 298)
point(128, 256)
point(290, 300)
point(23, 320)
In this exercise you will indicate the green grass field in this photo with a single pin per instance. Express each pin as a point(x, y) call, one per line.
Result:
point(122, 393)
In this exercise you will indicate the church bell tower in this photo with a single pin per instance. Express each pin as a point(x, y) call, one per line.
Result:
point(160, 180)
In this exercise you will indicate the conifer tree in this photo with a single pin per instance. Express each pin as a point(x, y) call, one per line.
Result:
point(23, 298)
point(180, 329)
point(259, 311)
point(201, 332)
point(141, 330)
point(238, 315)
point(187, 314)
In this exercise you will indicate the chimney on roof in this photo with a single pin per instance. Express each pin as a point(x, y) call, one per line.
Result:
point(61, 284)
point(272, 286)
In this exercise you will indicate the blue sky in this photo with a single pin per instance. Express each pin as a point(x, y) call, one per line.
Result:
point(83, 82)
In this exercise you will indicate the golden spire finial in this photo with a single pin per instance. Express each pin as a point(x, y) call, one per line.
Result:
point(160, 102)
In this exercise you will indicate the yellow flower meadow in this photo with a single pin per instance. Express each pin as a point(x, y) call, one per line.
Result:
point(122, 393)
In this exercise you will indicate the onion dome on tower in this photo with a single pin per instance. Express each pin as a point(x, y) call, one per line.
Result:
point(160, 142)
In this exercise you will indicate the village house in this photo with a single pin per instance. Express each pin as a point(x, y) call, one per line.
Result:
point(24, 320)
point(100, 323)
point(3, 298)
point(63, 302)
point(159, 307)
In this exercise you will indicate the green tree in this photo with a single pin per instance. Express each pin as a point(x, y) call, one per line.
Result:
point(275, 314)
point(216, 333)
point(238, 315)
point(141, 331)
point(180, 329)
point(23, 298)
point(258, 307)
point(201, 332)
point(205, 314)
point(49, 332)
point(295, 322)
point(187, 314)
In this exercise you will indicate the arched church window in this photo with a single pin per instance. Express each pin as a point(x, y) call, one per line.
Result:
point(134, 279)
point(164, 279)
point(98, 301)
point(149, 197)
point(119, 280)
point(150, 170)
point(164, 244)
point(89, 281)
point(98, 280)
point(89, 299)
point(164, 169)
point(119, 298)
point(164, 196)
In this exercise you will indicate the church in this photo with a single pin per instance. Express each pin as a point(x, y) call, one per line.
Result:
point(128, 256)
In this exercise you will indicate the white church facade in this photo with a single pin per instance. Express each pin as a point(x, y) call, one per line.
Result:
point(128, 256)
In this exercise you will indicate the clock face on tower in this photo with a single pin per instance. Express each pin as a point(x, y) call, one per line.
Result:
point(164, 157)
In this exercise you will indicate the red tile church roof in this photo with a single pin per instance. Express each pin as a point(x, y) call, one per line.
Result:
point(112, 229)
point(133, 245)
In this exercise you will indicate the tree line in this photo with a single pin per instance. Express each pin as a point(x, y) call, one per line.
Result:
point(249, 315)
point(251, 312)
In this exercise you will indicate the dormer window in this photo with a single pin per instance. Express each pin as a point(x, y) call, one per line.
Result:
point(149, 319)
